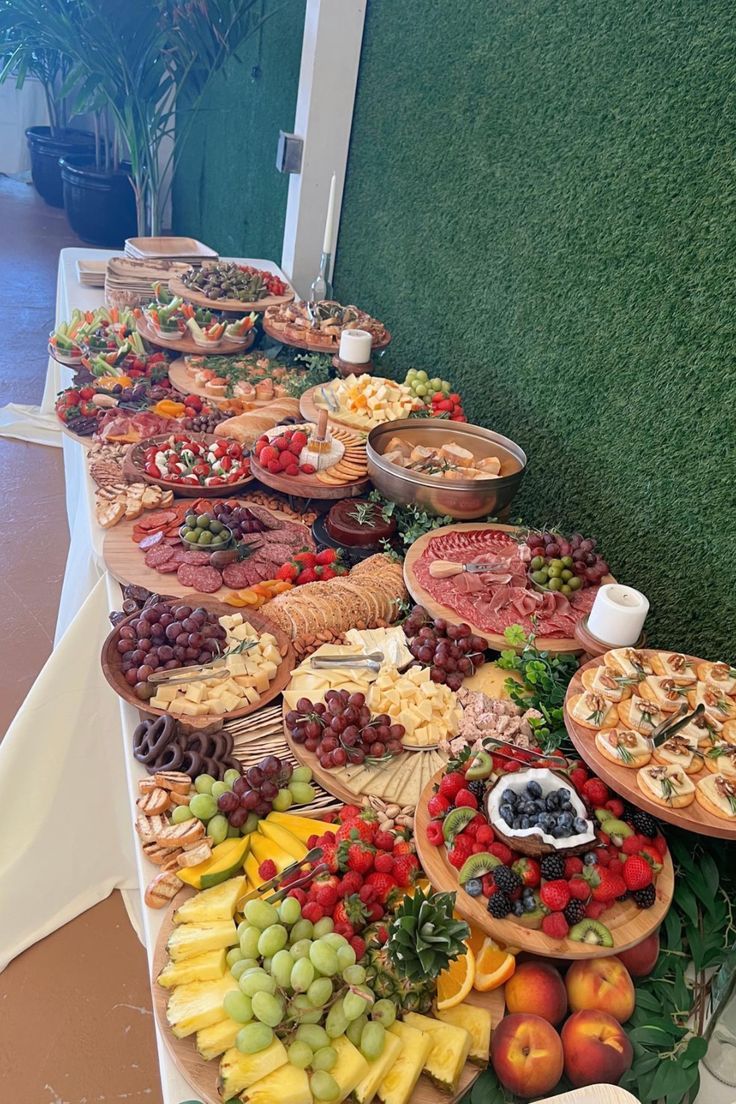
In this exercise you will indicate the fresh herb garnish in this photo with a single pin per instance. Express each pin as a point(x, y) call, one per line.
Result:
point(545, 680)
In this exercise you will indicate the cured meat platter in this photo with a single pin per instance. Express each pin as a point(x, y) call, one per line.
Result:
point(149, 553)
point(627, 923)
point(487, 604)
point(187, 345)
point(620, 720)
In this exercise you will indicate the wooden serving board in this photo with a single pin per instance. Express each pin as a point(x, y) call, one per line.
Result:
point(404, 776)
point(127, 562)
point(437, 609)
point(202, 1076)
point(187, 345)
point(694, 818)
point(310, 411)
point(112, 670)
point(134, 471)
point(182, 382)
point(312, 346)
point(230, 306)
point(627, 923)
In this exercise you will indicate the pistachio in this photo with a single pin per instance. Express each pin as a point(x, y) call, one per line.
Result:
point(393, 810)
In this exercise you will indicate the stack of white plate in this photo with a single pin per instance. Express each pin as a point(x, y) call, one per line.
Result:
point(189, 250)
point(91, 273)
point(128, 282)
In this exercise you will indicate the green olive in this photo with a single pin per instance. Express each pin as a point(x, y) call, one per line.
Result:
point(575, 583)
point(554, 571)
point(539, 577)
point(537, 563)
point(565, 589)
point(556, 563)
point(192, 537)
point(565, 574)
point(567, 561)
point(555, 584)
point(205, 537)
point(203, 522)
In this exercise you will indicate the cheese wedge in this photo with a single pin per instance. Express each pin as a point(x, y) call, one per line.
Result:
point(666, 785)
point(592, 711)
point(628, 661)
point(641, 714)
point(717, 704)
point(717, 795)
point(668, 691)
point(721, 676)
point(678, 752)
point(721, 759)
point(607, 683)
point(624, 747)
point(672, 663)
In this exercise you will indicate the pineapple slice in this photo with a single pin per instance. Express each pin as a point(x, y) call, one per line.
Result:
point(197, 1005)
point(400, 1081)
point(215, 1040)
point(377, 1070)
point(350, 1067)
point(189, 940)
point(217, 903)
point(287, 1085)
point(240, 1071)
point(205, 967)
point(449, 1053)
point(477, 1022)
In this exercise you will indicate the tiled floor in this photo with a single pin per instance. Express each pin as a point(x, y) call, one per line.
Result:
point(75, 1010)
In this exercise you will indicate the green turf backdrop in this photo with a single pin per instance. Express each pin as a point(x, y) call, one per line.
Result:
point(540, 204)
point(227, 190)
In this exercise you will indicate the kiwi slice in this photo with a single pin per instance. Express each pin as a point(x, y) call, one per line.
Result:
point(456, 820)
point(617, 830)
point(603, 815)
point(591, 931)
point(481, 765)
point(477, 865)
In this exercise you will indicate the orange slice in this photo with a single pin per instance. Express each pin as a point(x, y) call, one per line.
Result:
point(454, 984)
point(476, 939)
point(493, 966)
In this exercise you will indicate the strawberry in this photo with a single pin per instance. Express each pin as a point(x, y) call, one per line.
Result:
point(326, 896)
point(380, 935)
point(326, 556)
point(615, 866)
point(345, 930)
point(404, 869)
point(438, 805)
point(298, 895)
point(349, 812)
point(325, 573)
point(402, 847)
point(573, 866)
point(616, 806)
point(267, 870)
point(288, 572)
point(528, 871)
point(465, 799)
point(660, 844)
point(350, 883)
point(579, 889)
point(594, 909)
point(596, 792)
point(367, 894)
point(307, 559)
point(434, 833)
point(555, 926)
point(383, 863)
point(358, 857)
point(312, 912)
point(451, 783)
point(609, 887)
point(456, 858)
point(637, 872)
point(471, 829)
point(478, 822)
point(479, 848)
point(350, 910)
point(384, 884)
point(375, 912)
point(384, 841)
point(603, 856)
point(502, 852)
point(653, 857)
point(632, 845)
point(555, 895)
point(578, 778)
point(308, 469)
point(359, 828)
point(308, 575)
point(358, 946)
point(312, 840)
point(485, 834)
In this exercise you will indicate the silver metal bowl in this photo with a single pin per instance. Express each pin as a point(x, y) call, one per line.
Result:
point(461, 499)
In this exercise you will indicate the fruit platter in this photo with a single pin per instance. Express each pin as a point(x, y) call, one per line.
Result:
point(311, 460)
point(227, 286)
point(542, 581)
point(615, 704)
point(317, 326)
point(193, 464)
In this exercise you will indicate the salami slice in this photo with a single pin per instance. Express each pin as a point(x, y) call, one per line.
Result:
point(159, 554)
point(237, 575)
point(157, 519)
point(151, 540)
point(168, 567)
point(195, 557)
point(204, 579)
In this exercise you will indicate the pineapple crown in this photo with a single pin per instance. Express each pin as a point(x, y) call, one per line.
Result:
point(424, 936)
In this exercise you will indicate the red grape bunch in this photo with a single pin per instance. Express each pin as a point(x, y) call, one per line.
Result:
point(452, 651)
point(257, 791)
point(554, 557)
point(341, 730)
point(164, 636)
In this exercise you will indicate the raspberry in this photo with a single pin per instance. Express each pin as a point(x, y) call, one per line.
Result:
point(499, 905)
point(298, 895)
point(553, 867)
point(268, 870)
point(637, 872)
point(358, 946)
point(347, 931)
point(632, 845)
point(574, 912)
point(604, 856)
point(555, 925)
point(479, 849)
point(489, 886)
point(435, 835)
point(479, 821)
point(350, 883)
point(312, 912)
point(579, 777)
point(579, 889)
point(326, 897)
point(471, 829)
point(465, 799)
point(502, 852)
point(659, 843)
point(594, 909)
point(615, 806)
point(485, 834)
point(456, 858)
point(646, 897)
point(555, 895)
point(451, 783)
point(312, 840)
point(573, 866)
point(615, 866)
point(438, 805)
point(596, 792)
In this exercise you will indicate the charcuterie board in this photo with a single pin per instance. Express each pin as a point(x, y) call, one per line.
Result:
point(232, 306)
point(455, 546)
point(185, 344)
point(312, 344)
point(627, 923)
point(202, 1076)
point(693, 817)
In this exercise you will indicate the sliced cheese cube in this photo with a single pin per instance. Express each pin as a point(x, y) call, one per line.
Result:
point(230, 701)
point(196, 692)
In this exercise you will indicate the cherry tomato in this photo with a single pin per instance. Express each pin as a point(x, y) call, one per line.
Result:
point(201, 470)
point(153, 470)
point(214, 481)
point(226, 463)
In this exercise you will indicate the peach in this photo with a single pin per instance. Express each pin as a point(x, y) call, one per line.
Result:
point(602, 985)
point(527, 1055)
point(597, 1049)
point(641, 959)
point(538, 988)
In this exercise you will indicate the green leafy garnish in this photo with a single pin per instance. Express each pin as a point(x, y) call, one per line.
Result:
point(545, 680)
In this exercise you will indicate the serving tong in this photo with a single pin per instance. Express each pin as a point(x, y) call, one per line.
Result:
point(536, 756)
point(672, 724)
point(180, 676)
point(371, 660)
point(261, 893)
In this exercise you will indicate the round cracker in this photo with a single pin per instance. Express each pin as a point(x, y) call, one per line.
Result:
point(680, 802)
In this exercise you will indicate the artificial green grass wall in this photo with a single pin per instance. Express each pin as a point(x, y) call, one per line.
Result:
point(227, 190)
point(541, 205)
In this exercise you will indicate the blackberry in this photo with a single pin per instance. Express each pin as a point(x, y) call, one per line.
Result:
point(575, 912)
point(499, 905)
point(506, 879)
point(553, 867)
point(478, 788)
point(644, 824)
point(646, 897)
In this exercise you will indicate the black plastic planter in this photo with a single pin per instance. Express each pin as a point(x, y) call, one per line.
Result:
point(100, 206)
point(46, 149)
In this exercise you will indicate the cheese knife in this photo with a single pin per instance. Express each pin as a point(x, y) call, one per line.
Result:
point(443, 569)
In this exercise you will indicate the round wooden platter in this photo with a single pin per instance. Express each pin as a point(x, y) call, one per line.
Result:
point(202, 1076)
point(309, 410)
point(401, 779)
point(437, 609)
point(111, 665)
point(309, 486)
point(187, 345)
point(277, 333)
point(627, 923)
point(694, 817)
point(127, 562)
point(134, 471)
point(180, 380)
point(230, 306)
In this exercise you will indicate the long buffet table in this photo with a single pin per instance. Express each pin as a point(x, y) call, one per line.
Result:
point(81, 734)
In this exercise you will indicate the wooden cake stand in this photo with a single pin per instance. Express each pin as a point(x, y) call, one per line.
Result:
point(186, 344)
point(230, 306)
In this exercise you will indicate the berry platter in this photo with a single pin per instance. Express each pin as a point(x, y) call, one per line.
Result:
point(694, 817)
point(627, 923)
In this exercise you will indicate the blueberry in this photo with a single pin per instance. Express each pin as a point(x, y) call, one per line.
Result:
point(508, 797)
point(534, 820)
point(558, 832)
point(563, 794)
point(534, 789)
point(580, 825)
point(474, 887)
point(525, 822)
point(566, 807)
point(507, 815)
point(516, 822)
point(530, 903)
point(565, 820)
point(545, 821)
point(527, 891)
point(552, 801)
point(517, 908)
point(590, 858)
